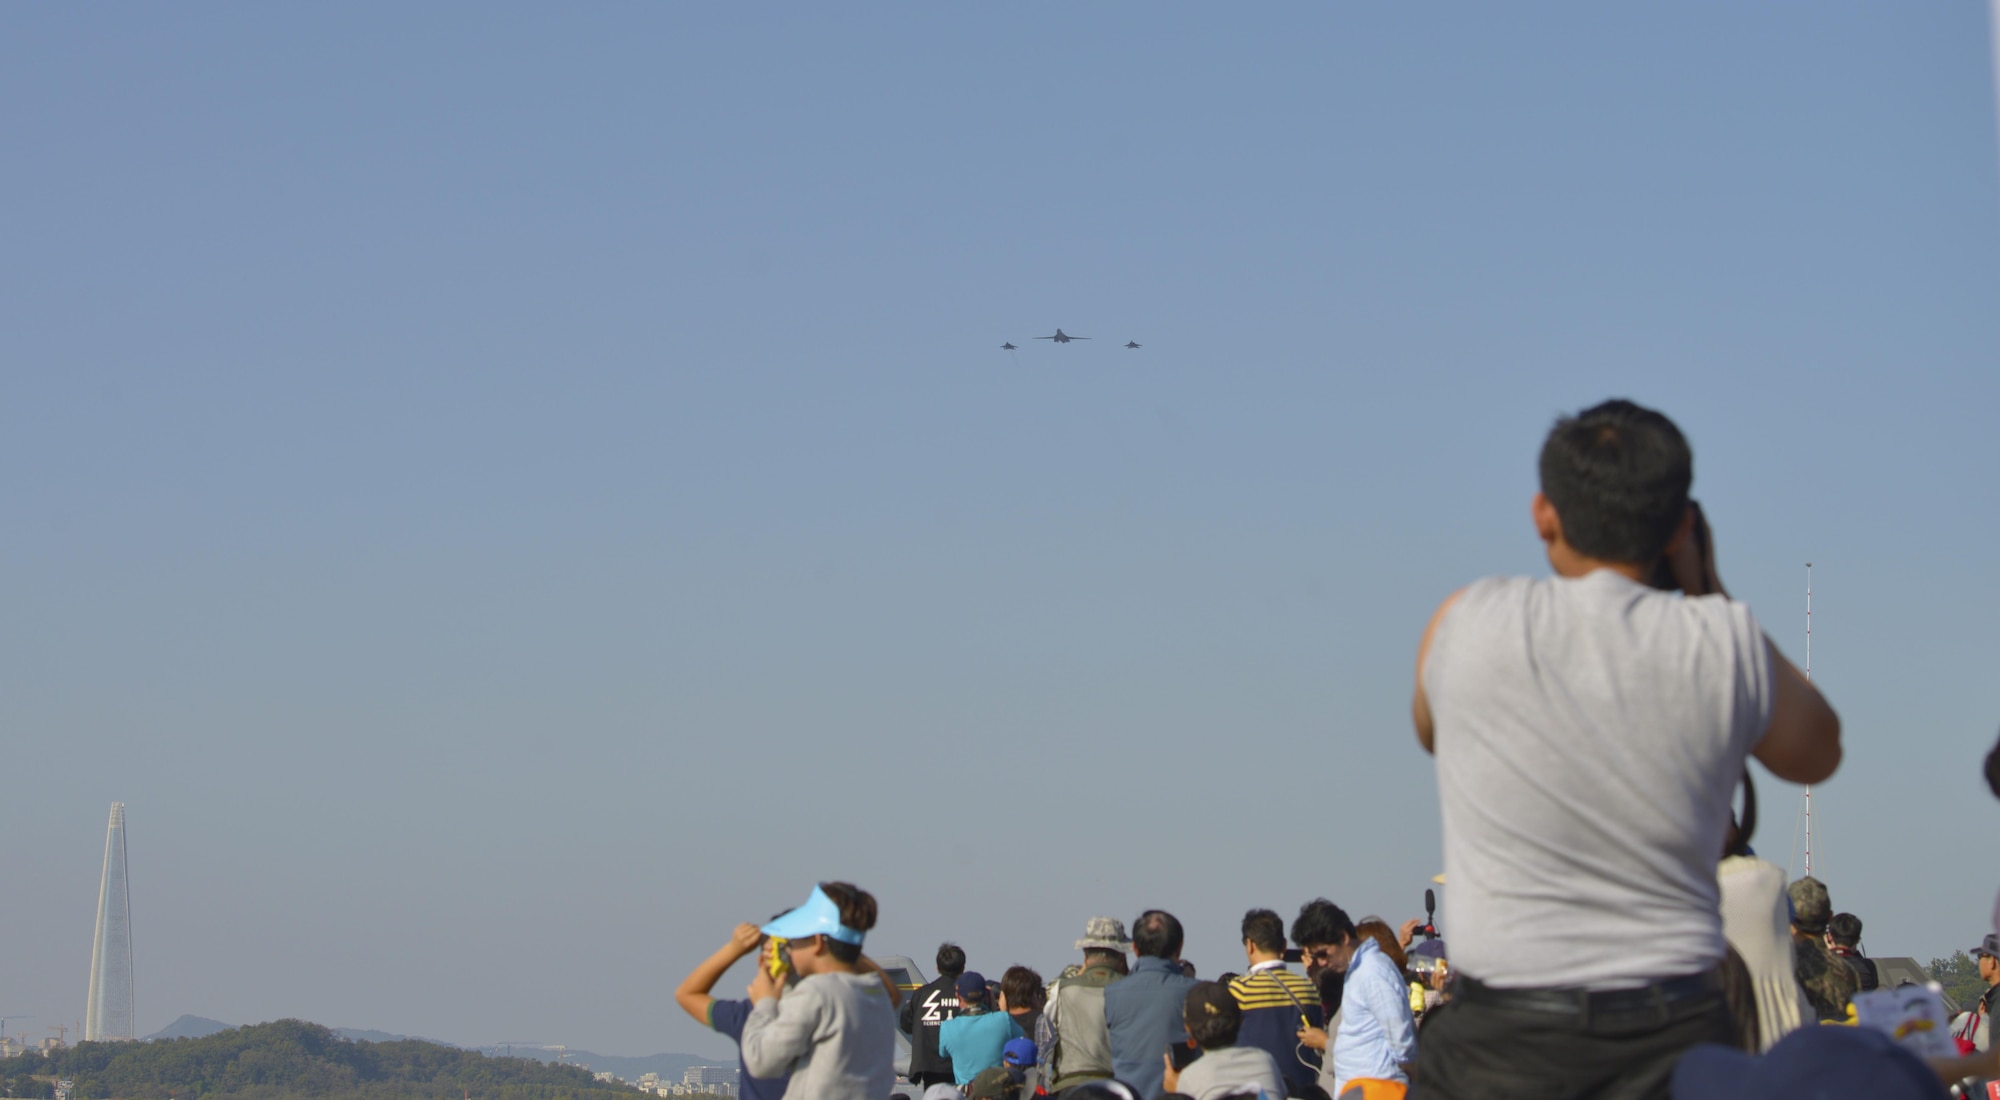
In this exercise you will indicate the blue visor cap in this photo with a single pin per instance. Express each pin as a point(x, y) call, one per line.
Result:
point(819, 916)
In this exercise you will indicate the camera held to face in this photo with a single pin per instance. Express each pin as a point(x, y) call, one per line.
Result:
point(777, 960)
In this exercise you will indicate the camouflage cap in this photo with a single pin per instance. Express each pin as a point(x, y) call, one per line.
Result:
point(1811, 907)
point(1105, 932)
point(993, 1084)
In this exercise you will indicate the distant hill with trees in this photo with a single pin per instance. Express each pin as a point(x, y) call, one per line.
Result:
point(294, 1059)
point(670, 1067)
point(188, 1027)
point(1959, 975)
point(196, 1027)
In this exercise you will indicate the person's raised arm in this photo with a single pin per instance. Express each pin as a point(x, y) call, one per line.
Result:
point(1802, 743)
point(693, 995)
point(1420, 707)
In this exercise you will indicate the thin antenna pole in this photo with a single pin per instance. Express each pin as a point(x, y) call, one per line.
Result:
point(1808, 679)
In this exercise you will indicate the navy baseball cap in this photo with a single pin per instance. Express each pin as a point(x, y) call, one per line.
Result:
point(1826, 1062)
point(971, 986)
point(1019, 1052)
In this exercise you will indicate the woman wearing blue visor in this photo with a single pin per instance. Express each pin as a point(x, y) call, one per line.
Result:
point(834, 1030)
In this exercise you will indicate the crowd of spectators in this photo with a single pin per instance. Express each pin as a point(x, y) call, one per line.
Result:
point(1613, 932)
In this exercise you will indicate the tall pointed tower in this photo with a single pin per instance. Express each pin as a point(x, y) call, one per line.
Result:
point(108, 1013)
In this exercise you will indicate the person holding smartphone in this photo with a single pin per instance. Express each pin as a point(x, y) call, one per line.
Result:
point(1276, 1002)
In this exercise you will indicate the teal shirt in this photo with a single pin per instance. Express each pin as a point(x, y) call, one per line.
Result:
point(976, 1043)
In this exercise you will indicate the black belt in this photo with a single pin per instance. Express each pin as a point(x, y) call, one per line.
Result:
point(1658, 999)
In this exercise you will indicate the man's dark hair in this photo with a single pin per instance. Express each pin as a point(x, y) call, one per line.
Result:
point(1618, 475)
point(1265, 930)
point(1321, 923)
point(1845, 928)
point(857, 911)
point(1156, 935)
point(950, 960)
point(1023, 988)
point(1212, 1016)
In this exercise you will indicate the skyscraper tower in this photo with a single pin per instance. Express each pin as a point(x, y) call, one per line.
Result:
point(108, 1013)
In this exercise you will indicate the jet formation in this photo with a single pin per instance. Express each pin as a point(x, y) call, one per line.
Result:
point(1062, 337)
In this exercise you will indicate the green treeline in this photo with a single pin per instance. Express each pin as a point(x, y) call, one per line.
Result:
point(292, 1058)
point(1959, 975)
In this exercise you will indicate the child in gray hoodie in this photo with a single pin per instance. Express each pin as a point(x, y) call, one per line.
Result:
point(834, 1030)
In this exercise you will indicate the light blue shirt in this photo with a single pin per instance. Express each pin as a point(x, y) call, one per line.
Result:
point(1377, 1033)
point(976, 1042)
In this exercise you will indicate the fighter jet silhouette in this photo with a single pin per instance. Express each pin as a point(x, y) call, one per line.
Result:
point(1060, 338)
point(1006, 347)
point(1131, 343)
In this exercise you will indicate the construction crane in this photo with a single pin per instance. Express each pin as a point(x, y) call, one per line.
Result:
point(3, 1023)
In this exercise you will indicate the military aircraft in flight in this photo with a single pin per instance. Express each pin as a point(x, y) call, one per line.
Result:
point(1061, 338)
point(1131, 343)
point(1006, 347)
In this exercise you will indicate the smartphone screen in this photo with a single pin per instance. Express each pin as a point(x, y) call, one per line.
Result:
point(1182, 1054)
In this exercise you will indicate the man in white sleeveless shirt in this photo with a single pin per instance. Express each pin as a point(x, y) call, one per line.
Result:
point(1589, 730)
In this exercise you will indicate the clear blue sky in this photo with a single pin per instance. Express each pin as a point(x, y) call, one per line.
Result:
point(505, 492)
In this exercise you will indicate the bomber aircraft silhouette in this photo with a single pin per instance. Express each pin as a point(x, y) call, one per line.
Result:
point(1006, 347)
point(1131, 343)
point(1060, 338)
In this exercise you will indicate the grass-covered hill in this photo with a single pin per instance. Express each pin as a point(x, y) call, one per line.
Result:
point(292, 1058)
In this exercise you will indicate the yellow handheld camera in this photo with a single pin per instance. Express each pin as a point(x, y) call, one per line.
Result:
point(777, 959)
